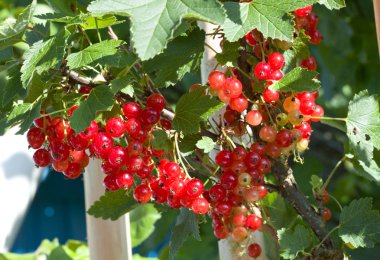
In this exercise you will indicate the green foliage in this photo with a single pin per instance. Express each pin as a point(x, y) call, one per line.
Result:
point(206, 144)
point(52, 250)
point(185, 55)
point(297, 80)
point(186, 224)
point(192, 108)
point(360, 224)
point(92, 53)
point(229, 55)
point(270, 17)
point(12, 30)
point(363, 131)
point(293, 242)
point(10, 84)
point(142, 221)
point(162, 141)
point(333, 4)
point(43, 56)
point(24, 114)
point(151, 37)
point(112, 205)
point(100, 99)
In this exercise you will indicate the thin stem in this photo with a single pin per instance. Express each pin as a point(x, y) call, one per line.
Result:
point(228, 139)
point(211, 48)
point(330, 118)
point(179, 154)
point(97, 29)
point(336, 201)
point(327, 236)
point(333, 172)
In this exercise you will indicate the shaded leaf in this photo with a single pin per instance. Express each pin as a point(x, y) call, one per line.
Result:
point(100, 99)
point(229, 55)
point(192, 108)
point(293, 242)
point(113, 205)
point(186, 224)
point(11, 30)
point(161, 141)
point(360, 224)
point(93, 53)
point(10, 83)
point(332, 4)
point(142, 221)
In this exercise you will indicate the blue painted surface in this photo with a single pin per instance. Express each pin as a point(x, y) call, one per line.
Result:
point(57, 211)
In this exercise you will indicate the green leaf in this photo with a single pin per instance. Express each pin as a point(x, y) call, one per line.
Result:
point(316, 182)
point(186, 224)
point(206, 144)
point(93, 53)
point(192, 108)
point(292, 243)
point(24, 114)
point(59, 254)
point(10, 83)
point(229, 55)
point(142, 221)
point(12, 256)
point(297, 80)
point(123, 83)
point(154, 21)
point(91, 23)
point(188, 143)
point(139, 257)
point(100, 99)
point(120, 59)
point(363, 126)
point(11, 30)
point(332, 4)
point(272, 248)
point(6, 54)
point(47, 246)
point(271, 17)
point(360, 224)
point(161, 141)
point(185, 55)
point(371, 171)
point(113, 205)
point(299, 50)
point(336, 124)
point(43, 56)
point(35, 87)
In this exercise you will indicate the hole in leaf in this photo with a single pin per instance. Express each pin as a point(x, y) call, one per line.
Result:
point(367, 137)
point(354, 130)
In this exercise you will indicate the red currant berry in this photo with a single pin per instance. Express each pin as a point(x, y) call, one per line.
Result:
point(309, 63)
point(35, 137)
point(73, 171)
point(270, 95)
point(124, 179)
point(216, 79)
point(276, 61)
point(115, 127)
point(200, 206)
point(232, 88)
point(41, 158)
point(326, 214)
point(224, 158)
point(254, 250)
point(217, 193)
point(142, 193)
point(102, 144)
point(305, 11)
point(254, 117)
point(110, 183)
point(60, 166)
point(117, 156)
point(133, 126)
point(131, 110)
point(284, 138)
point(250, 39)
point(156, 101)
point(194, 188)
point(253, 222)
point(262, 70)
point(150, 116)
point(239, 104)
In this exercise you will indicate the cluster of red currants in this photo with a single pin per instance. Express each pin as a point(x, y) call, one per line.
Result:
point(57, 143)
point(307, 20)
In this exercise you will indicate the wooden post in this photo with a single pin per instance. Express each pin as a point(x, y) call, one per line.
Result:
point(376, 8)
point(226, 250)
point(106, 239)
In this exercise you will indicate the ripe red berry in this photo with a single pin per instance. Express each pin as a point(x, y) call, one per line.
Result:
point(217, 193)
point(133, 126)
point(224, 158)
point(252, 160)
point(102, 144)
point(115, 127)
point(239, 104)
point(270, 95)
point(150, 116)
point(276, 75)
point(250, 39)
point(110, 183)
point(216, 79)
point(264, 166)
point(73, 171)
point(268, 134)
point(232, 88)
point(194, 188)
point(276, 61)
point(59, 151)
point(200, 206)
point(156, 101)
point(262, 70)
point(117, 156)
point(142, 193)
point(41, 158)
point(309, 63)
point(326, 214)
point(307, 107)
point(35, 137)
point(302, 12)
point(253, 222)
point(315, 36)
point(131, 110)
point(254, 250)
point(90, 132)
point(317, 112)
point(124, 179)
point(284, 138)
point(229, 180)
point(254, 117)
point(60, 166)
